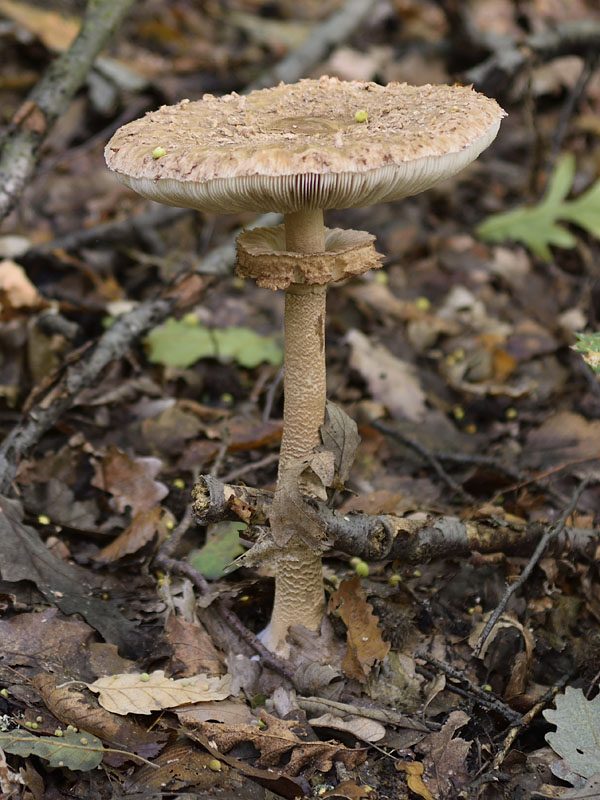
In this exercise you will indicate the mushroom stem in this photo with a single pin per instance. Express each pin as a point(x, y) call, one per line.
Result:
point(299, 596)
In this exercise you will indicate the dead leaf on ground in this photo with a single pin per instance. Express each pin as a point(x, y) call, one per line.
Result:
point(445, 756)
point(146, 527)
point(193, 650)
point(339, 435)
point(349, 790)
point(231, 712)
point(368, 730)
point(17, 292)
point(73, 706)
point(391, 381)
point(277, 740)
point(55, 30)
point(142, 693)
point(130, 481)
point(365, 642)
point(561, 438)
point(414, 778)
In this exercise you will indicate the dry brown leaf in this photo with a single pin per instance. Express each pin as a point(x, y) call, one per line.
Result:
point(130, 481)
point(445, 756)
point(10, 782)
point(414, 780)
point(16, 290)
point(340, 437)
point(391, 381)
point(193, 650)
point(506, 620)
point(277, 740)
point(142, 693)
point(290, 514)
point(73, 706)
point(145, 527)
point(180, 765)
point(369, 730)
point(348, 790)
point(55, 30)
point(231, 712)
point(365, 643)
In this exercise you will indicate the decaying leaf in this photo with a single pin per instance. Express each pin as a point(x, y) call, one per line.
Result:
point(369, 730)
point(365, 645)
point(290, 514)
point(445, 756)
point(130, 481)
point(577, 734)
point(277, 741)
point(193, 649)
point(506, 620)
point(10, 782)
point(348, 790)
point(142, 693)
point(221, 548)
point(340, 436)
point(414, 779)
point(73, 706)
point(180, 765)
point(391, 381)
point(144, 528)
point(231, 712)
point(76, 750)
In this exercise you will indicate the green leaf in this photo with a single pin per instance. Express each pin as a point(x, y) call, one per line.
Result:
point(75, 750)
point(221, 548)
point(538, 227)
point(180, 343)
point(588, 345)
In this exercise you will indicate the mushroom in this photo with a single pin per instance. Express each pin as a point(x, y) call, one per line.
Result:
point(299, 149)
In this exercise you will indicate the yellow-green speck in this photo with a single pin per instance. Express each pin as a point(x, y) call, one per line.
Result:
point(361, 116)
point(159, 152)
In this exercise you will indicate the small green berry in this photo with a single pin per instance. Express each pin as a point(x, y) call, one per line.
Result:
point(395, 579)
point(423, 303)
point(417, 573)
point(178, 483)
point(261, 725)
point(34, 725)
point(43, 519)
point(215, 765)
point(144, 677)
point(361, 569)
point(28, 724)
point(58, 733)
point(361, 116)
point(3, 692)
point(158, 152)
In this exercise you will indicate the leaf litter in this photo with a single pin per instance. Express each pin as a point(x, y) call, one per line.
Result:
point(463, 345)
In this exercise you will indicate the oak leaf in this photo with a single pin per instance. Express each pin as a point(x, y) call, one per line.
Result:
point(142, 693)
point(278, 742)
point(365, 644)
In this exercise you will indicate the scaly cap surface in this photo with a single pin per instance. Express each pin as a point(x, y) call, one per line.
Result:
point(300, 145)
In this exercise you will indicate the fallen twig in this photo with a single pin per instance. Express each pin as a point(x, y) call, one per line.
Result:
point(550, 534)
point(51, 97)
point(375, 537)
point(80, 372)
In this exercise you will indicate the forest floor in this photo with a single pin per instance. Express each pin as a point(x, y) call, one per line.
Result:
point(479, 426)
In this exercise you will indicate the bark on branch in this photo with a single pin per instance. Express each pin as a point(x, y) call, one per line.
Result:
point(383, 536)
point(50, 98)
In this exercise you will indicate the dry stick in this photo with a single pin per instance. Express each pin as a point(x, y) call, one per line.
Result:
point(235, 474)
point(427, 455)
point(488, 699)
point(51, 97)
point(269, 659)
point(335, 29)
point(575, 94)
point(384, 536)
point(78, 375)
point(537, 554)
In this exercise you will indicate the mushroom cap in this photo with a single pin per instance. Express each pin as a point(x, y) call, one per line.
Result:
point(301, 146)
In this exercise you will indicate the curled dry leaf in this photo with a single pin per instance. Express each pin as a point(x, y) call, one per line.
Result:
point(277, 741)
point(142, 693)
point(348, 790)
point(145, 528)
point(369, 730)
point(340, 437)
point(365, 642)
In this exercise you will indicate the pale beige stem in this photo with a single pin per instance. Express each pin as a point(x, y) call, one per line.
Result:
point(299, 597)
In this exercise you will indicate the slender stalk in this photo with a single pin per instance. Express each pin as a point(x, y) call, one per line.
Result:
point(299, 597)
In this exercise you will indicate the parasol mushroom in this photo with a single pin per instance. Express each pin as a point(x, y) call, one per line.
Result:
point(299, 149)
